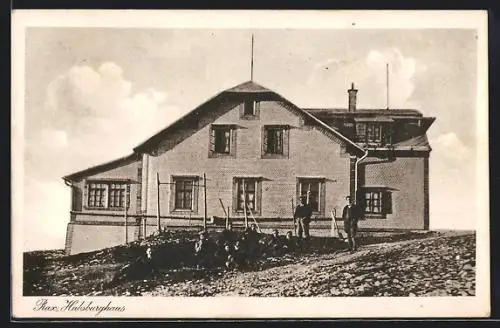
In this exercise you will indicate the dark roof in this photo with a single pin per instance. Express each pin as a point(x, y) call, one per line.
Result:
point(420, 143)
point(332, 112)
point(249, 87)
point(101, 167)
point(246, 87)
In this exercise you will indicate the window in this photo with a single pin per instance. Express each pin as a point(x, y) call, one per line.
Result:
point(361, 132)
point(97, 195)
point(374, 133)
point(184, 194)
point(117, 193)
point(107, 195)
point(247, 194)
point(222, 138)
point(377, 201)
point(275, 141)
point(250, 109)
point(373, 202)
point(184, 189)
point(313, 190)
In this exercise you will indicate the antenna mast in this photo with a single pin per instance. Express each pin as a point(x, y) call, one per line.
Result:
point(251, 63)
point(387, 82)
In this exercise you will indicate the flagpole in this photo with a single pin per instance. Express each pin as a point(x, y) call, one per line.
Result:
point(251, 63)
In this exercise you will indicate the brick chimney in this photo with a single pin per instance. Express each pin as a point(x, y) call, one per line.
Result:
point(352, 98)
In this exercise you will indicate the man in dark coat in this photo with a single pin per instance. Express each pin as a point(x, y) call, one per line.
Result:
point(204, 250)
point(303, 213)
point(227, 236)
point(350, 215)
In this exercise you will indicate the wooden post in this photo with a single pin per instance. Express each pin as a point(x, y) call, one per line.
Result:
point(227, 218)
point(158, 223)
point(293, 218)
point(245, 203)
point(189, 222)
point(126, 215)
point(126, 227)
point(204, 201)
point(224, 210)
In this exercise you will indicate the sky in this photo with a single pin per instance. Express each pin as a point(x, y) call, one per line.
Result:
point(92, 94)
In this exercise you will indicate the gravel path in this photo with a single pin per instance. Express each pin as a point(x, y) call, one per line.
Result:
point(443, 265)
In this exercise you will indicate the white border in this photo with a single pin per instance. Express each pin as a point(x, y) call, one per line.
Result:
point(230, 307)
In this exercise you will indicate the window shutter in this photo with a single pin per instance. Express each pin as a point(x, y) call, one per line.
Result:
point(85, 194)
point(387, 202)
point(172, 195)
point(286, 141)
point(257, 109)
point(196, 188)
point(264, 140)
point(232, 146)
point(211, 146)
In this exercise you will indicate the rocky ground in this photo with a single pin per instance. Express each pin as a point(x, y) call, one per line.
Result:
point(411, 264)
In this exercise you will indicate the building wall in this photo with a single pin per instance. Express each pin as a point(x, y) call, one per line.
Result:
point(85, 237)
point(406, 177)
point(126, 171)
point(311, 154)
point(91, 229)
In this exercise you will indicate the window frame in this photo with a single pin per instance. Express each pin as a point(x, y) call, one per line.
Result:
point(195, 180)
point(257, 210)
point(384, 199)
point(212, 146)
point(382, 137)
point(285, 141)
point(321, 181)
point(106, 186)
point(255, 109)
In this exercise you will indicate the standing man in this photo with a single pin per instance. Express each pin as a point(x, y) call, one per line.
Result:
point(350, 215)
point(303, 213)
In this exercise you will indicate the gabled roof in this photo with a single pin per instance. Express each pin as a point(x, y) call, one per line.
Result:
point(243, 88)
point(249, 87)
point(101, 167)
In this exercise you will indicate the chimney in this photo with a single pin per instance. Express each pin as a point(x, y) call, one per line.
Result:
point(352, 98)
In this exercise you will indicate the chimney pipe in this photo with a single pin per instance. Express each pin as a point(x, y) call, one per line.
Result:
point(352, 98)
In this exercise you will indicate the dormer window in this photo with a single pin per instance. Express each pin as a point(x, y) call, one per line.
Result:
point(375, 131)
point(249, 109)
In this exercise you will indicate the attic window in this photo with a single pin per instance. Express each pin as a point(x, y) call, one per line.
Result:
point(249, 109)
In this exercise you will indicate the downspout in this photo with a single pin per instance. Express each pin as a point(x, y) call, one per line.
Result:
point(358, 161)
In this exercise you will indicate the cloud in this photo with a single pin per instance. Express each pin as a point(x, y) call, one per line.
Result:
point(369, 75)
point(451, 146)
point(95, 105)
point(53, 138)
point(90, 116)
